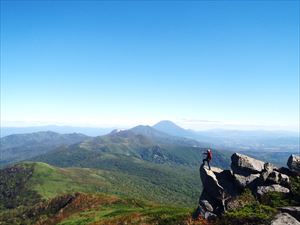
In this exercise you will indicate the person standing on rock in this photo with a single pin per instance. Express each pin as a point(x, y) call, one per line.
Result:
point(208, 154)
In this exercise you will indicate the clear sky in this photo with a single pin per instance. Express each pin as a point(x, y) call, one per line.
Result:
point(198, 63)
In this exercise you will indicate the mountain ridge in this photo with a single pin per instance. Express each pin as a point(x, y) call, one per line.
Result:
point(17, 147)
point(141, 142)
point(172, 128)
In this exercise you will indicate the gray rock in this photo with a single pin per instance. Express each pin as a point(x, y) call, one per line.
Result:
point(284, 219)
point(268, 168)
point(206, 206)
point(278, 178)
point(210, 216)
point(216, 170)
point(243, 181)
point(292, 210)
point(261, 190)
point(213, 191)
point(216, 204)
point(245, 165)
point(264, 175)
point(210, 183)
point(287, 172)
point(294, 163)
point(227, 181)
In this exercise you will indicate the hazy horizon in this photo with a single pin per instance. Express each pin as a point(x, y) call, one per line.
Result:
point(206, 127)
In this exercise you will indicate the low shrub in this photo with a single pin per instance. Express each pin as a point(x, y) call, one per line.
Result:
point(295, 189)
point(275, 199)
point(253, 214)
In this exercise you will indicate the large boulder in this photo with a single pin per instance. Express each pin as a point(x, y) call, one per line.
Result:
point(287, 171)
point(243, 181)
point(284, 219)
point(216, 203)
point(261, 190)
point(278, 178)
point(226, 180)
point(205, 209)
point(213, 191)
point(218, 189)
point(245, 165)
point(216, 170)
point(210, 216)
point(206, 206)
point(210, 183)
point(268, 168)
point(294, 163)
point(292, 210)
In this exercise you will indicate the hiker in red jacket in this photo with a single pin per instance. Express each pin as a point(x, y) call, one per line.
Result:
point(208, 154)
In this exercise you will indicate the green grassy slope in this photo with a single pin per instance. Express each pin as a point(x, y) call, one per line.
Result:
point(160, 184)
point(81, 209)
point(128, 214)
point(35, 192)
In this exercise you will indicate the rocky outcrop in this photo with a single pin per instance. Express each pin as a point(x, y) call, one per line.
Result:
point(211, 183)
point(258, 176)
point(292, 210)
point(243, 181)
point(245, 165)
point(294, 163)
point(261, 190)
point(221, 188)
point(278, 178)
point(284, 219)
point(212, 194)
point(206, 206)
point(218, 188)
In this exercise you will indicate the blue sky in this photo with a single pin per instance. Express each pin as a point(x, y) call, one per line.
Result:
point(201, 64)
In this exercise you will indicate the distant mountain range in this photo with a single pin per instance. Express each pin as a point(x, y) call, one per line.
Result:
point(125, 147)
point(171, 128)
point(89, 131)
point(238, 140)
point(17, 147)
point(273, 146)
point(234, 140)
point(167, 134)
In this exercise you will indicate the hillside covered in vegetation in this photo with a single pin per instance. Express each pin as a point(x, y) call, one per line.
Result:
point(38, 193)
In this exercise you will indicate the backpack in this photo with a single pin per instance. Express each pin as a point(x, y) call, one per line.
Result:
point(209, 155)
